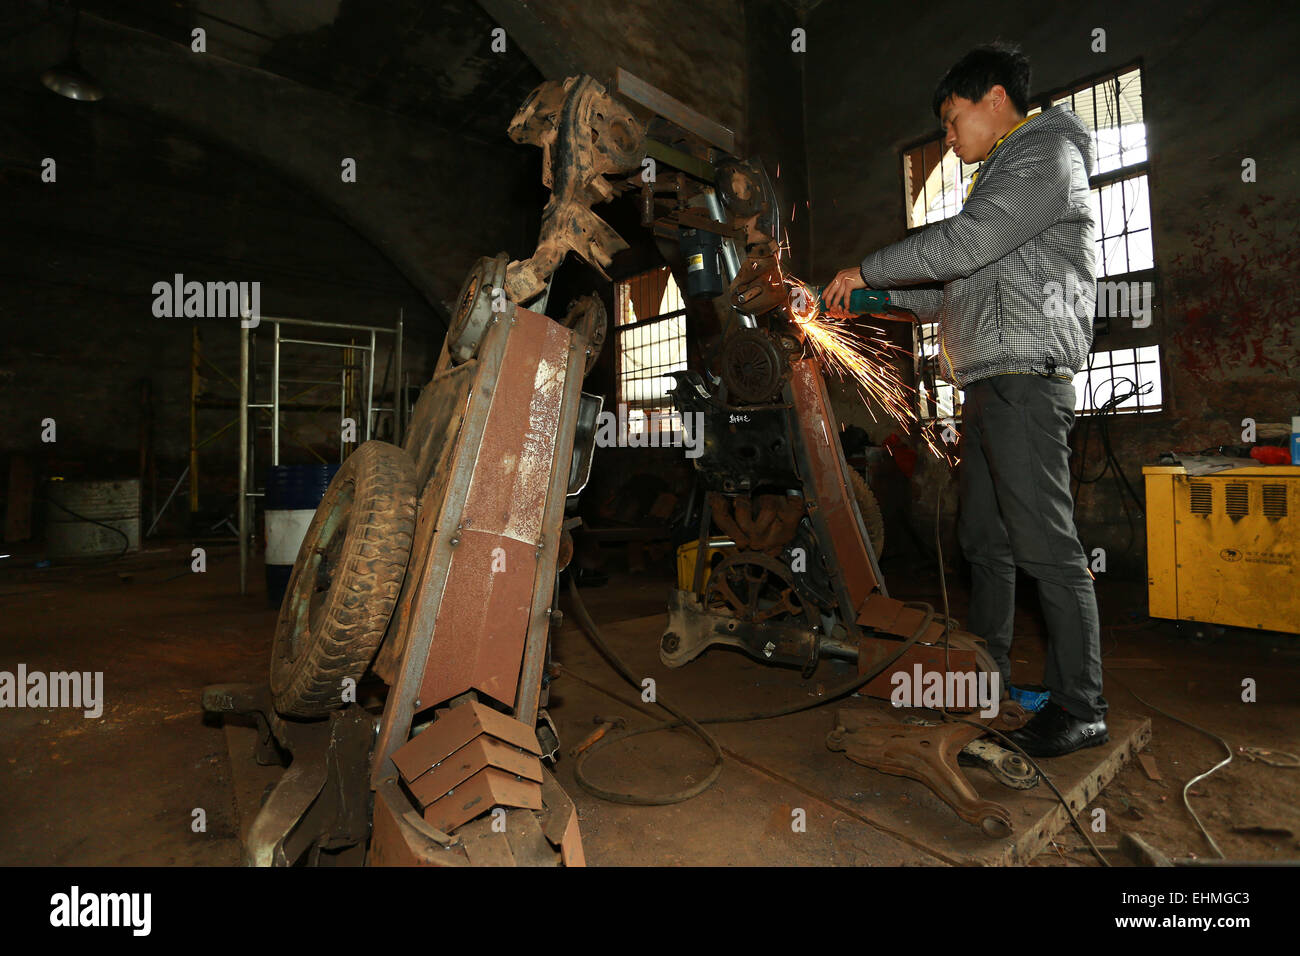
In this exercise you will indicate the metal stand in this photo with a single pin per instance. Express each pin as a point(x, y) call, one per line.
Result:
point(345, 385)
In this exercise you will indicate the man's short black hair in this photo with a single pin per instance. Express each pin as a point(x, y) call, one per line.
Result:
point(983, 68)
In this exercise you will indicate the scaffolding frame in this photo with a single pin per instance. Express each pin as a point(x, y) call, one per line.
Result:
point(367, 351)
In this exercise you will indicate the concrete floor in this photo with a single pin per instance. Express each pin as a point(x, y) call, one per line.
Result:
point(122, 789)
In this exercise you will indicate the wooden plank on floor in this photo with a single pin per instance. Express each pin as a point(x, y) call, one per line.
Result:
point(1080, 777)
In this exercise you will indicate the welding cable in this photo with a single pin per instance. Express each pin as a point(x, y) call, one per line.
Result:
point(593, 632)
point(1110, 462)
point(1199, 777)
point(834, 693)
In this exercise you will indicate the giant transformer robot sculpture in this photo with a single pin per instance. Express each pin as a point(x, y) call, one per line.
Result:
point(433, 567)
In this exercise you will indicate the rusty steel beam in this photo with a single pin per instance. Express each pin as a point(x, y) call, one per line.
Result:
point(638, 91)
point(830, 502)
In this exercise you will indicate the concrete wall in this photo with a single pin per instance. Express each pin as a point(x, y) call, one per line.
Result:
point(1226, 251)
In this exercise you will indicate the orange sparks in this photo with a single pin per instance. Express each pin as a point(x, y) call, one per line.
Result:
point(858, 356)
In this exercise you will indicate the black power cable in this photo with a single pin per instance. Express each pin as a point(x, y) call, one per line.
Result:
point(1110, 463)
point(832, 694)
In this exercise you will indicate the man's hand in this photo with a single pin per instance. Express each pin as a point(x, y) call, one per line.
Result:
point(841, 287)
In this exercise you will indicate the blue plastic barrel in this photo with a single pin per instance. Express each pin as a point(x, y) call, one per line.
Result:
point(292, 494)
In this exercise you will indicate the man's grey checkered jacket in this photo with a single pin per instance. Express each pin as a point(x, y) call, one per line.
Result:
point(1026, 234)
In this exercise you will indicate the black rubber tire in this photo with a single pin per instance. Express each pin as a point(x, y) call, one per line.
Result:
point(345, 582)
point(872, 517)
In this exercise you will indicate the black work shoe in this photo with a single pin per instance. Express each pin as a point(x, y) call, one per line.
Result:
point(1054, 732)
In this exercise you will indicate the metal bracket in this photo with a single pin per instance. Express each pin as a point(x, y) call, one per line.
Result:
point(322, 801)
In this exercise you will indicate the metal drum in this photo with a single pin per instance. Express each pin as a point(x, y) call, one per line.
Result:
point(292, 494)
point(92, 518)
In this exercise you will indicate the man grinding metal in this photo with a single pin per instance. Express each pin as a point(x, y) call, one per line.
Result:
point(992, 276)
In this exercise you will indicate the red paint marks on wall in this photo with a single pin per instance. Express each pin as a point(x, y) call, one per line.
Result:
point(1233, 299)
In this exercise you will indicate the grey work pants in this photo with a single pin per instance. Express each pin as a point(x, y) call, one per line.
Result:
point(1016, 509)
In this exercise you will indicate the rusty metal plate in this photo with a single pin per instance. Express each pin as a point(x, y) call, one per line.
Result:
point(560, 821)
point(393, 646)
point(482, 620)
point(487, 847)
point(482, 623)
point(833, 496)
point(893, 617)
point(480, 793)
point(427, 573)
point(387, 845)
point(396, 840)
point(520, 843)
point(483, 751)
point(528, 843)
point(453, 730)
point(507, 493)
point(528, 694)
point(571, 853)
point(873, 651)
point(431, 435)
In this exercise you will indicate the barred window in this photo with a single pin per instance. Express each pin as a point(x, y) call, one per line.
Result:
point(1128, 378)
point(935, 181)
point(1113, 112)
point(1124, 381)
point(651, 342)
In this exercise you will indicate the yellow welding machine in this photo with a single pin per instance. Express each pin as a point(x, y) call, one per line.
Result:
point(1221, 547)
point(719, 548)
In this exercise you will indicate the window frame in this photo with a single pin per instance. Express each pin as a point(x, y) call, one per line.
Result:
point(670, 418)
